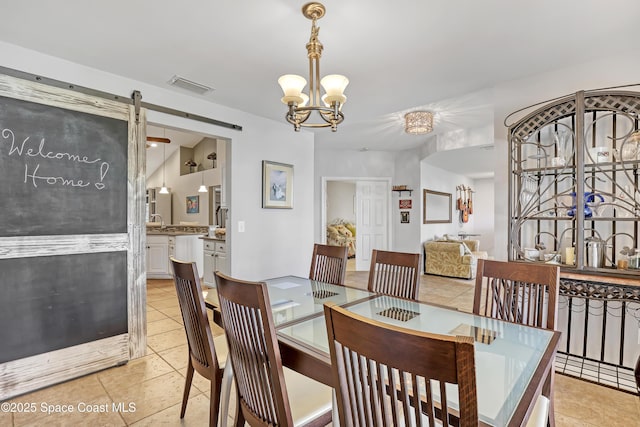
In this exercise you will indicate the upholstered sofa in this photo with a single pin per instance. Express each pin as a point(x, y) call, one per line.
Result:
point(342, 233)
point(452, 258)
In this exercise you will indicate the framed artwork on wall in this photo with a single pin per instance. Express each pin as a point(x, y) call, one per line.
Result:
point(404, 217)
point(193, 204)
point(405, 204)
point(277, 185)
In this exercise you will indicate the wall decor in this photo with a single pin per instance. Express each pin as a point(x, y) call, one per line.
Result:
point(277, 185)
point(437, 207)
point(193, 204)
point(404, 217)
point(405, 204)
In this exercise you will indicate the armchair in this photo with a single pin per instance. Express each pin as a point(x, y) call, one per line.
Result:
point(452, 258)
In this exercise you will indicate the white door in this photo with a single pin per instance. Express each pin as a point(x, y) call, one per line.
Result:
point(371, 220)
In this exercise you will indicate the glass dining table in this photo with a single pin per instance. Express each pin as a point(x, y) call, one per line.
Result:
point(513, 362)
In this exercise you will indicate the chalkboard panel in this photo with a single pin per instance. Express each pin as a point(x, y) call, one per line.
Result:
point(62, 171)
point(49, 303)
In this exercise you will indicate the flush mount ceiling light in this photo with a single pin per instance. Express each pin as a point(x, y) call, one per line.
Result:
point(418, 122)
point(333, 85)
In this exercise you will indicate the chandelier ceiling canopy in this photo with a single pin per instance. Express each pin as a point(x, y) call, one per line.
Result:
point(301, 105)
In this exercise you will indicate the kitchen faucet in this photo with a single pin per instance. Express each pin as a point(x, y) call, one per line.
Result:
point(162, 224)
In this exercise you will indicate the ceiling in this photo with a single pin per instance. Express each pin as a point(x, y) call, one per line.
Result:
point(439, 55)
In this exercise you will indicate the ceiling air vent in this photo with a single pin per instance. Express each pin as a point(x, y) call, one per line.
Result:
point(189, 85)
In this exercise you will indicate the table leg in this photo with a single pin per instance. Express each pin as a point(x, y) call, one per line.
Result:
point(547, 390)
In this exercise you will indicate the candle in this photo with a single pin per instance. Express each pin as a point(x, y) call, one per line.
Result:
point(569, 255)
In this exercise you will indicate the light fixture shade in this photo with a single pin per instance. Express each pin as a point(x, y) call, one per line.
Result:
point(164, 190)
point(334, 86)
point(305, 100)
point(202, 189)
point(292, 86)
point(328, 104)
point(418, 122)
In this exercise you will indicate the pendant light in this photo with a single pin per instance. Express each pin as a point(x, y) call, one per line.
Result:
point(164, 189)
point(203, 188)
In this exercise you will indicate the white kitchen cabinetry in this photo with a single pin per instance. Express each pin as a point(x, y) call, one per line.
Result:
point(215, 259)
point(158, 257)
point(189, 248)
point(182, 247)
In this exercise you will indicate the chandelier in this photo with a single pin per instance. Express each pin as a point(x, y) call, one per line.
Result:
point(328, 106)
point(418, 122)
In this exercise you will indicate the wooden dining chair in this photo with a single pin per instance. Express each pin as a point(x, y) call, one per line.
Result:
point(395, 274)
point(382, 384)
point(518, 292)
point(207, 355)
point(268, 394)
point(329, 264)
point(524, 293)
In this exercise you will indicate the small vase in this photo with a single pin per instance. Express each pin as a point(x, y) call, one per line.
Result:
point(563, 145)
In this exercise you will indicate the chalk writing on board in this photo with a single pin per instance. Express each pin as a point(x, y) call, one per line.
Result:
point(34, 177)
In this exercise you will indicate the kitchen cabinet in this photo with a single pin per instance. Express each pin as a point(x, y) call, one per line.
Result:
point(189, 248)
point(158, 257)
point(573, 190)
point(214, 259)
point(182, 247)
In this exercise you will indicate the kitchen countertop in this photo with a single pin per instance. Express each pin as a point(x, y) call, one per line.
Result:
point(220, 239)
point(172, 233)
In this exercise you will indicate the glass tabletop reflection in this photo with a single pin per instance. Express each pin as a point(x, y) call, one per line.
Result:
point(506, 356)
point(294, 298)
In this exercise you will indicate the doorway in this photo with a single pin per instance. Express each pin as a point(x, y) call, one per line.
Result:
point(355, 213)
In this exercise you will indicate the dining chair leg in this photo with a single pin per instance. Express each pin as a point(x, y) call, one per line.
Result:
point(214, 403)
point(187, 387)
point(225, 393)
point(239, 415)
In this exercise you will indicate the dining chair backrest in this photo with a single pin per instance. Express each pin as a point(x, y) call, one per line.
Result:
point(380, 381)
point(253, 351)
point(329, 264)
point(394, 273)
point(518, 292)
point(202, 353)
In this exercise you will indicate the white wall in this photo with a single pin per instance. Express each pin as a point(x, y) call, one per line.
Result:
point(276, 241)
point(483, 213)
point(437, 179)
point(341, 201)
point(406, 237)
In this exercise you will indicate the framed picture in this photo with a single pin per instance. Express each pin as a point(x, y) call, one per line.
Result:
point(277, 185)
point(405, 203)
point(404, 217)
point(193, 204)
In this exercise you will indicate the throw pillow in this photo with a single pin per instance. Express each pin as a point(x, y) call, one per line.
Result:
point(467, 251)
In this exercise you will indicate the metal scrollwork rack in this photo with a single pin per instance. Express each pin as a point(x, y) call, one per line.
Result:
point(574, 200)
point(574, 178)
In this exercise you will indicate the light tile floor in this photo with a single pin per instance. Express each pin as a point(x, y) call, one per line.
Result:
point(149, 389)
